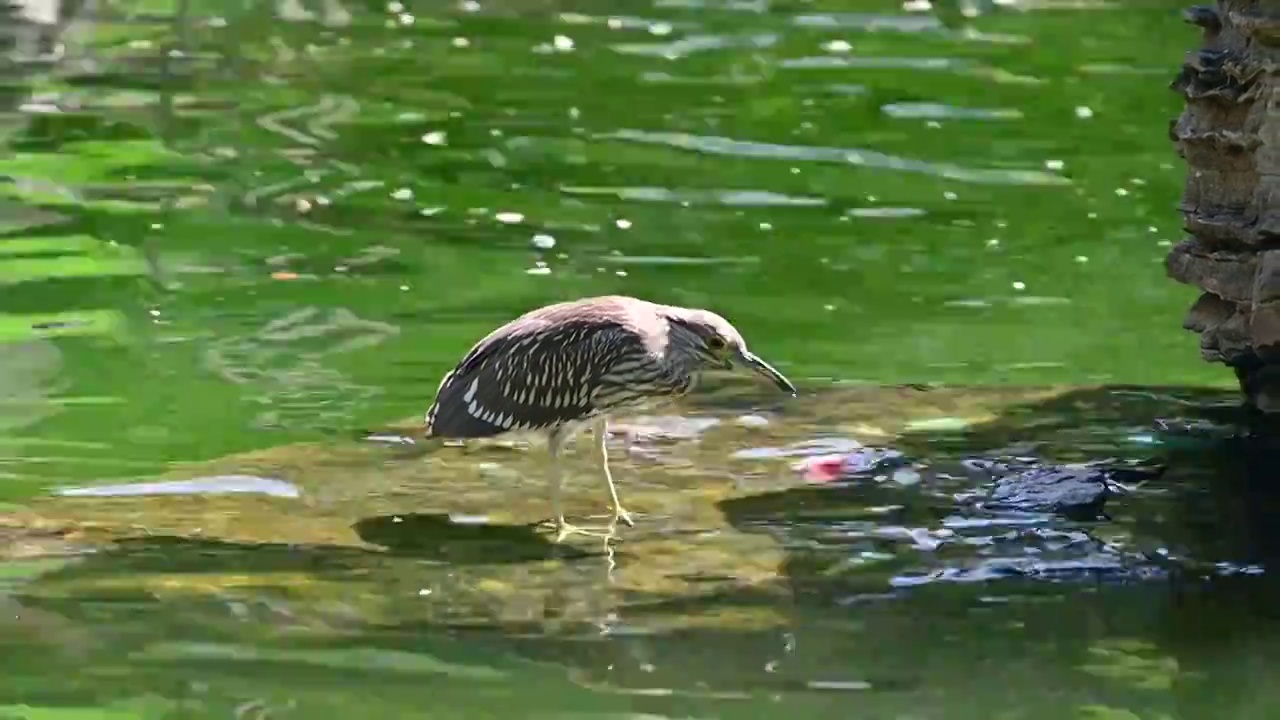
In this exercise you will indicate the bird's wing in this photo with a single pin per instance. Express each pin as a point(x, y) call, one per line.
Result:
point(528, 379)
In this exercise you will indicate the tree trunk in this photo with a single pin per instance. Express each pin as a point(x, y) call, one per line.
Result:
point(1229, 135)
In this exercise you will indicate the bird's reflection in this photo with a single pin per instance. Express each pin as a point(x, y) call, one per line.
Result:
point(463, 541)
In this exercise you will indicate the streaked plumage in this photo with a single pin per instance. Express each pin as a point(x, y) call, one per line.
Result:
point(561, 366)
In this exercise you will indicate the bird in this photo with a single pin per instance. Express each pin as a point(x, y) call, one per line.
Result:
point(568, 366)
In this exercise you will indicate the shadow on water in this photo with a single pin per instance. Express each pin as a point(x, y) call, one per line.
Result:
point(1207, 507)
point(444, 539)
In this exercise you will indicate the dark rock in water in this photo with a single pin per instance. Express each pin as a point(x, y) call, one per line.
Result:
point(870, 459)
point(1018, 483)
point(1074, 493)
point(1078, 492)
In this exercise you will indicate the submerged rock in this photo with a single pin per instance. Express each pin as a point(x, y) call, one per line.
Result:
point(1074, 491)
point(1071, 492)
point(1020, 484)
point(450, 536)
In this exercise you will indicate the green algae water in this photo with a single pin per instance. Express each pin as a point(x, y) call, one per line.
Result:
point(235, 235)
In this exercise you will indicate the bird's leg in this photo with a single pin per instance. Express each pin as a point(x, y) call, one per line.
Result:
point(563, 529)
point(599, 428)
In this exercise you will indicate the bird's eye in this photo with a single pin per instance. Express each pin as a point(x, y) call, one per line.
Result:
point(716, 344)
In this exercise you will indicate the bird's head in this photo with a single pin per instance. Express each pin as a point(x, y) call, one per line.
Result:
point(710, 341)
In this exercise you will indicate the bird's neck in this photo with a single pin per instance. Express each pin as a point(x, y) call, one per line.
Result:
point(682, 370)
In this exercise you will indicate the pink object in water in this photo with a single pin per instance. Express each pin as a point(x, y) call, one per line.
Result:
point(821, 468)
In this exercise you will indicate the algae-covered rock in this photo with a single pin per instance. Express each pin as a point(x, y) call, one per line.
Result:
point(449, 535)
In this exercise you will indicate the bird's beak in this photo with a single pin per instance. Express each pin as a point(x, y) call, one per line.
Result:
point(746, 359)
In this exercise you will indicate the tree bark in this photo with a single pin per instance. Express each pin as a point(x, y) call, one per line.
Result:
point(1229, 135)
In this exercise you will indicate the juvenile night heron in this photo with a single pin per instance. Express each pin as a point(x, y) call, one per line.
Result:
point(564, 367)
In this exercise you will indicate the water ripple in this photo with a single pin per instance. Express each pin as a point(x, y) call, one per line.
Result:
point(870, 21)
point(920, 23)
point(753, 6)
point(882, 62)
point(696, 43)
point(737, 198)
point(714, 145)
point(940, 111)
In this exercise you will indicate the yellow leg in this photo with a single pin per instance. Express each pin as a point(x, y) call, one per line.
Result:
point(599, 431)
point(563, 529)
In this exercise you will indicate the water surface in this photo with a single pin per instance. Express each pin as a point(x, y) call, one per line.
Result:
point(227, 228)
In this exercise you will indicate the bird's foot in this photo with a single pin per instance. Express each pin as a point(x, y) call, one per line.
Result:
point(564, 529)
point(621, 515)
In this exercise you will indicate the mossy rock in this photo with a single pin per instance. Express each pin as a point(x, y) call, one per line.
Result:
point(448, 536)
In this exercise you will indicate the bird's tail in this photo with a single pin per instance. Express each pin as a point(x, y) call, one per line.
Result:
point(430, 418)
